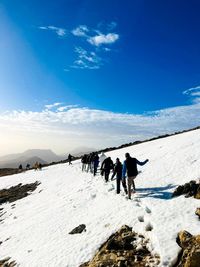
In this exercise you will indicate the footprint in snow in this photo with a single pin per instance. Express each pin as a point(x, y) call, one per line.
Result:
point(137, 199)
point(111, 188)
point(80, 190)
point(137, 205)
point(149, 227)
point(141, 218)
point(147, 210)
point(93, 196)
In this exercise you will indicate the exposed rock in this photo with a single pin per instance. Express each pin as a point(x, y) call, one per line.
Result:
point(190, 255)
point(78, 230)
point(183, 239)
point(197, 195)
point(125, 248)
point(188, 189)
point(197, 212)
point(7, 262)
point(16, 192)
point(8, 171)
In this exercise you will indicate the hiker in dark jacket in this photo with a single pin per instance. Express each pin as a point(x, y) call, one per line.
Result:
point(106, 167)
point(28, 166)
point(70, 159)
point(84, 161)
point(95, 163)
point(40, 166)
point(90, 162)
point(118, 172)
point(20, 168)
point(130, 166)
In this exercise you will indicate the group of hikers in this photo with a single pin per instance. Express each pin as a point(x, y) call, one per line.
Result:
point(36, 166)
point(125, 173)
point(91, 162)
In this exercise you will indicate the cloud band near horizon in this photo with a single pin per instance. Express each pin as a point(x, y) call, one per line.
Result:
point(75, 126)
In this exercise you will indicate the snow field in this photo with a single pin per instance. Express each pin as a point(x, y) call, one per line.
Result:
point(39, 224)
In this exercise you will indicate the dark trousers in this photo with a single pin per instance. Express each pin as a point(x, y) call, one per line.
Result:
point(118, 185)
point(119, 180)
point(95, 169)
point(124, 186)
point(106, 173)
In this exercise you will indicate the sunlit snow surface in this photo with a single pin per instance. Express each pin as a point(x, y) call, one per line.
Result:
point(39, 224)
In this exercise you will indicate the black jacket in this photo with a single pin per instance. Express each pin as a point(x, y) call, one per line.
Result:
point(118, 170)
point(130, 166)
point(107, 164)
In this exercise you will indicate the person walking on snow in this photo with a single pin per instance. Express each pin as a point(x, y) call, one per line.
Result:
point(95, 163)
point(70, 159)
point(118, 171)
point(102, 157)
point(106, 167)
point(130, 167)
point(84, 161)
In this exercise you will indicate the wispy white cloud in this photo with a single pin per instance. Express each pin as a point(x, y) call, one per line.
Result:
point(86, 59)
point(50, 106)
point(64, 108)
point(70, 125)
point(59, 31)
point(96, 37)
point(80, 31)
point(101, 39)
point(194, 94)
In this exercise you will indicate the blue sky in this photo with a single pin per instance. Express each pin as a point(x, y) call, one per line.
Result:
point(114, 58)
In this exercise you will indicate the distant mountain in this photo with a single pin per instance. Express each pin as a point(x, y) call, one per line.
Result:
point(16, 162)
point(82, 150)
point(32, 161)
point(30, 156)
point(43, 156)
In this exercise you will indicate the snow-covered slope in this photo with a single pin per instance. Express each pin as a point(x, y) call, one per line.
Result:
point(38, 226)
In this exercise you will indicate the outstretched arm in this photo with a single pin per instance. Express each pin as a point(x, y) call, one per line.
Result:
point(141, 163)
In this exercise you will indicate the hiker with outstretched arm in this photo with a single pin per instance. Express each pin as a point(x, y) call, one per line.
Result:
point(130, 167)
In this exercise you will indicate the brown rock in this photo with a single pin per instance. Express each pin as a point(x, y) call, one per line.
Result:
point(183, 239)
point(7, 263)
point(118, 251)
point(197, 195)
point(190, 256)
point(188, 189)
point(197, 212)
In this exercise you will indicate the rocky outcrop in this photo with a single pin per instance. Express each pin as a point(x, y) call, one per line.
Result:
point(7, 262)
point(191, 189)
point(16, 192)
point(78, 230)
point(8, 171)
point(124, 248)
point(190, 255)
point(197, 212)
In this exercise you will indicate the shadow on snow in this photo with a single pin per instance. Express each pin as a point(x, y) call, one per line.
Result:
point(156, 192)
